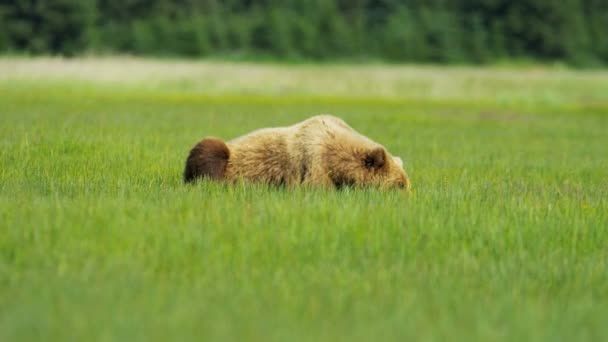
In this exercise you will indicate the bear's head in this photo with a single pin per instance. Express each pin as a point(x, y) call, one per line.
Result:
point(371, 167)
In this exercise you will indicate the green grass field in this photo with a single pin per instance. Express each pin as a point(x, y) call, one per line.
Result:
point(503, 238)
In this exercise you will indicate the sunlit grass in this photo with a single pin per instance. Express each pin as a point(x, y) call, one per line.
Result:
point(503, 237)
point(506, 85)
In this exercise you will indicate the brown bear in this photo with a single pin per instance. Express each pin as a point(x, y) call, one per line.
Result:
point(320, 151)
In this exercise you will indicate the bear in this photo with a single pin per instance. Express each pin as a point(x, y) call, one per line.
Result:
point(322, 151)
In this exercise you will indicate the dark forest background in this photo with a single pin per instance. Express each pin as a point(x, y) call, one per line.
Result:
point(438, 31)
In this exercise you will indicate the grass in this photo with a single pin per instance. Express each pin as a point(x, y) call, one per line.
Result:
point(504, 237)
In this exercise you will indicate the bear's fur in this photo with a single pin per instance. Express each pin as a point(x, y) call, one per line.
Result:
point(320, 151)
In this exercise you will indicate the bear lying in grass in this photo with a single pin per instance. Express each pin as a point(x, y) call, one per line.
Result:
point(321, 151)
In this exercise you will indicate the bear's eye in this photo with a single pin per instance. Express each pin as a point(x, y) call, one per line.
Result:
point(401, 185)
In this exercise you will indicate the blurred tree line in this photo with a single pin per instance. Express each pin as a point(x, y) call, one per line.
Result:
point(444, 31)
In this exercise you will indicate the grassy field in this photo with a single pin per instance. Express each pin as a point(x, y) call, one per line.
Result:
point(503, 238)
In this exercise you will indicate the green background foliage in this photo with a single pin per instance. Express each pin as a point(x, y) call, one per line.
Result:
point(440, 31)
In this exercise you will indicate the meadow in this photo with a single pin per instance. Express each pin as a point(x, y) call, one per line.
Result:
point(504, 236)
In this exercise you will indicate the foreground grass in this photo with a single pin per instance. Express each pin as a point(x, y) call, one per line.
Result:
point(504, 236)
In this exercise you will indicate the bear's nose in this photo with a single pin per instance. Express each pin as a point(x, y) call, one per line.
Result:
point(405, 184)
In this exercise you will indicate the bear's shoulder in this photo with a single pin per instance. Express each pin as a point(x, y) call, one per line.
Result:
point(324, 120)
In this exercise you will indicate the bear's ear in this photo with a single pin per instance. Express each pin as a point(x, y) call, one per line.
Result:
point(375, 158)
